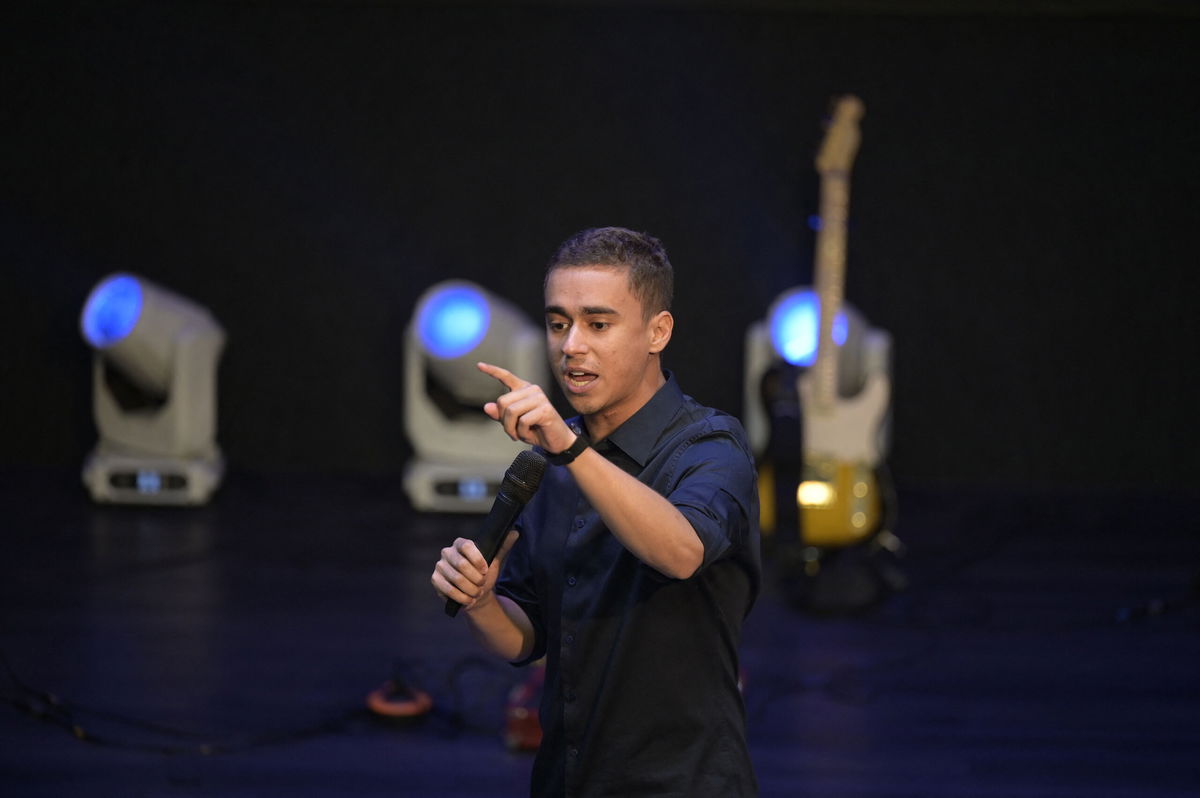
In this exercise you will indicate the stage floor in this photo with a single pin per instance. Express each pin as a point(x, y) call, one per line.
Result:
point(1046, 645)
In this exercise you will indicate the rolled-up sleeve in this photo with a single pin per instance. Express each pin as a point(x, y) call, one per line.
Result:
point(715, 488)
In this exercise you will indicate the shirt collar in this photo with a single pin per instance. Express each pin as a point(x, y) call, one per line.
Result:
point(638, 436)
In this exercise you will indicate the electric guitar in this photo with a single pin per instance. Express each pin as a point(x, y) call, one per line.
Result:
point(839, 495)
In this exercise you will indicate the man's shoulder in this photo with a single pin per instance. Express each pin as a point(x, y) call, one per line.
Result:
point(697, 417)
point(708, 432)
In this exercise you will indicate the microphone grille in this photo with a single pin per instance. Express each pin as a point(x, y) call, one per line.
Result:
point(526, 472)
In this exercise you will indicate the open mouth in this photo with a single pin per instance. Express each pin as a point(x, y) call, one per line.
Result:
point(576, 378)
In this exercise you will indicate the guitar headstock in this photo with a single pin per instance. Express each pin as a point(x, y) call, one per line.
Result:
point(842, 136)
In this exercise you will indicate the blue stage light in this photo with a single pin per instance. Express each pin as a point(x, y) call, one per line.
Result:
point(157, 423)
point(112, 310)
point(453, 321)
point(794, 327)
point(457, 449)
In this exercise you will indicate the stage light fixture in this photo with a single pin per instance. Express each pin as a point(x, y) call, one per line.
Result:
point(154, 394)
point(459, 454)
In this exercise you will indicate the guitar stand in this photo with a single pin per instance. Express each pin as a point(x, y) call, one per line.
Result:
point(847, 580)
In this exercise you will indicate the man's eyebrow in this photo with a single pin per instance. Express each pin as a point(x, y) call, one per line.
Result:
point(588, 310)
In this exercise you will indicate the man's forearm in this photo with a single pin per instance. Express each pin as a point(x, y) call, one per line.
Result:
point(502, 627)
point(640, 517)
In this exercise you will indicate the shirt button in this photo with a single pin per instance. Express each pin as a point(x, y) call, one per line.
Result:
point(569, 639)
point(579, 523)
point(571, 581)
point(573, 751)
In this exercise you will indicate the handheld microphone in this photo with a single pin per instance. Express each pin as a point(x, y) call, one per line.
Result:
point(520, 482)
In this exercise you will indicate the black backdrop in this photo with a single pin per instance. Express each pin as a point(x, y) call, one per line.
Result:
point(1023, 212)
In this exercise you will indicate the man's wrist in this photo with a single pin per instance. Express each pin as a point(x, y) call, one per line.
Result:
point(568, 455)
point(481, 602)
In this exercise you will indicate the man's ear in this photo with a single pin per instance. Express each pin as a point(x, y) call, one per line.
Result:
point(661, 327)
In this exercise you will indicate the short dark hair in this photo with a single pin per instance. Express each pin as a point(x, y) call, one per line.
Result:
point(651, 278)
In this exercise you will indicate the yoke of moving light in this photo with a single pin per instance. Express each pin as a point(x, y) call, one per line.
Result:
point(460, 454)
point(154, 394)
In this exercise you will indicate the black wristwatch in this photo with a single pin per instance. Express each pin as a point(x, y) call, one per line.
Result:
point(571, 452)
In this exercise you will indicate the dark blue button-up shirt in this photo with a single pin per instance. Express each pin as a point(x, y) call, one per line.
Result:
point(641, 693)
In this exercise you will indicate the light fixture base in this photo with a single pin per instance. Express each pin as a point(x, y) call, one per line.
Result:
point(449, 487)
point(125, 478)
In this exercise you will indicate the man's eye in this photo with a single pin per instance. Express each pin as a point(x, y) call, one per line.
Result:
point(600, 325)
point(556, 326)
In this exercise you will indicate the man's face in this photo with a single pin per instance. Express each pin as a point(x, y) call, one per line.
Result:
point(602, 349)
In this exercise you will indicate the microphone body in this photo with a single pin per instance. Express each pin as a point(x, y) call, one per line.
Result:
point(520, 482)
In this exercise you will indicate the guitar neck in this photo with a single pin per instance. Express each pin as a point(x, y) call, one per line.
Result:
point(833, 163)
point(830, 279)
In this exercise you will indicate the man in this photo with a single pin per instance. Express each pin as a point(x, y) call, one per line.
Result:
point(638, 558)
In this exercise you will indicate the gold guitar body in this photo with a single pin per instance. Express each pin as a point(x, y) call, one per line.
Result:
point(838, 496)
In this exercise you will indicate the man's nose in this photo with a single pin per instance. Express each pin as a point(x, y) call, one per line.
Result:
point(574, 342)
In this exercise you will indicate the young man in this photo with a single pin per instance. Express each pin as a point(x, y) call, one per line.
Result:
point(638, 557)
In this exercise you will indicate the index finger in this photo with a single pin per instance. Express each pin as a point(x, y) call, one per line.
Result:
point(510, 380)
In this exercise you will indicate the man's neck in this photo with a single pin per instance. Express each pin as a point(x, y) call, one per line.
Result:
point(602, 424)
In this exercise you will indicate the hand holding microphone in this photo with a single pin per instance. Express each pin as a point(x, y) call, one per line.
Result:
point(517, 488)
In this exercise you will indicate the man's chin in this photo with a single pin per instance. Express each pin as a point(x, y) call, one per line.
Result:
point(579, 405)
point(582, 404)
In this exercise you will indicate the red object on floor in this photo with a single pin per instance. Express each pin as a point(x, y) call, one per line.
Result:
point(522, 729)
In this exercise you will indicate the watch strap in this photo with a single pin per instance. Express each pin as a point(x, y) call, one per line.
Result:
point(569, 454)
